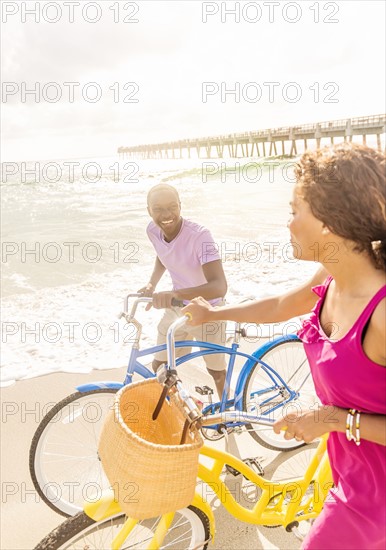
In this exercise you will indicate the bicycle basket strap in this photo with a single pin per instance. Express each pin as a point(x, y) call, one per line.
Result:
point(151, 472)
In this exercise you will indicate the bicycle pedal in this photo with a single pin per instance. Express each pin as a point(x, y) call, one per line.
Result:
point(232, 470)
point(204, 390)
point(255, 465)
point(236, 430)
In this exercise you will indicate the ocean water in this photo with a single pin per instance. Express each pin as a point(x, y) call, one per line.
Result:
point(74, 244)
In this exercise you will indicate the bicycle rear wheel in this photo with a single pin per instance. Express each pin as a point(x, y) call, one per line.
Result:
point(189, 530)
point(63, 460)
point(289, 360)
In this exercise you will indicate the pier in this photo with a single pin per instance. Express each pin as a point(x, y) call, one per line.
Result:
point(264, 142)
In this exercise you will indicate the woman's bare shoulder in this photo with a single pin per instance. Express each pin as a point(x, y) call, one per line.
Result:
point(378, 322)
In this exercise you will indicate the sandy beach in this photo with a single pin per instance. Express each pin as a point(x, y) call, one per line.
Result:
point(25, 520)
point(23, 406)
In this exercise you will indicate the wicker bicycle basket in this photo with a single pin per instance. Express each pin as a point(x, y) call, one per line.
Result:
point(150, 471)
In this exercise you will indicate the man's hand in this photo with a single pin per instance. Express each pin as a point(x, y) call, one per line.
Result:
point(147, 291)
point(162, 300)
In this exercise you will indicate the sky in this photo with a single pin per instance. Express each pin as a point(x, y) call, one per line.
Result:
point(110, 73)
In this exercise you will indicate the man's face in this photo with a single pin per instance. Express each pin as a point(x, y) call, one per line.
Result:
point(165, 209)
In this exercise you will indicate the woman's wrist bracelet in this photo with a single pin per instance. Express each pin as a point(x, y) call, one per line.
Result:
point(353, 415)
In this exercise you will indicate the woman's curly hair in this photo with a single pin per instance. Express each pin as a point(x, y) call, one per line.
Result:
point(345, 187)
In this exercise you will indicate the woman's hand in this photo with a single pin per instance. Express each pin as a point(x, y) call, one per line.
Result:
point(311, 424)
point(200, 311)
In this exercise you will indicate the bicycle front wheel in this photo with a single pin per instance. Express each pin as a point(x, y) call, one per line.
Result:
point(262, 396)
point(64, 464)
point(189, 530)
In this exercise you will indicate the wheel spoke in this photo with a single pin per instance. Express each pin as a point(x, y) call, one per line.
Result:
point(289, 361)
point(64, 450)
point(189, 529)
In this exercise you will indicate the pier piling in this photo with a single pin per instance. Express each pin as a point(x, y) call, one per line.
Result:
point(250, 141)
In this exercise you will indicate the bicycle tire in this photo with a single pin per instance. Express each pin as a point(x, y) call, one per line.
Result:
point(71, 535)
point(64, 483)
point(281, 356)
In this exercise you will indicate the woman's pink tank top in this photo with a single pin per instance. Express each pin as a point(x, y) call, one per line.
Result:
point(354, 515)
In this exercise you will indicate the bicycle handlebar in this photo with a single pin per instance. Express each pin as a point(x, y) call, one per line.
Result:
point(142, 299)
point(170, 347)
point(175, 303)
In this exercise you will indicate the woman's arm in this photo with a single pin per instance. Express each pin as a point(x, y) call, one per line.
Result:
point(374, 344)
point(269, 310)
point(325, 419)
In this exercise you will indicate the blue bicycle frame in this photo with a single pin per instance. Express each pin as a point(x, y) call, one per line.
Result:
point(207, 348)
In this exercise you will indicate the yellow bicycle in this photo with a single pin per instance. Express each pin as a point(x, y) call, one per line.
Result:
point(102, 525)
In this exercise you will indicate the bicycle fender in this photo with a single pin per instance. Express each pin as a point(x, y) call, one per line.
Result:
point(108, 506)
point(249, 364)
point(83, 388)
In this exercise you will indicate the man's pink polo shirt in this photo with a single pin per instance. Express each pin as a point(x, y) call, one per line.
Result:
point(184, 256)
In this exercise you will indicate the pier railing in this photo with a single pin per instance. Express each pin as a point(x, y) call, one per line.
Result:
point(248, 141)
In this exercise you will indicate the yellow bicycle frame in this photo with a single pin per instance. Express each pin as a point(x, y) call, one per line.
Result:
point(279, 504)
point(290, 494)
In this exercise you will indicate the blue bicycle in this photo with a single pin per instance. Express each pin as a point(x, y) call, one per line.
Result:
point(64, 462)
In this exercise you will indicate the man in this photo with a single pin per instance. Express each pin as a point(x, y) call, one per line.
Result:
point(188, 252)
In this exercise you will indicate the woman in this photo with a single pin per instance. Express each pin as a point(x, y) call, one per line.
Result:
point(339, 214)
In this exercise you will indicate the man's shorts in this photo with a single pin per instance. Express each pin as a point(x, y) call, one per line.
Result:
point(214, 332)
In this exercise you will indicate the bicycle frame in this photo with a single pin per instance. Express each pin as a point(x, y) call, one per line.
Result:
point(281, 503)
point(205, 348)
point(283, 512)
